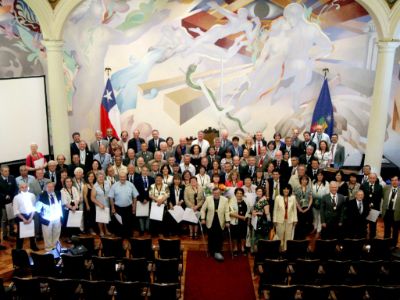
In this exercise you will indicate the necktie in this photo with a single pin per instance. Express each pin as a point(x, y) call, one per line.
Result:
point(278, 164)
point(156, 144)
point(98, 142)
point(319, 138)
point(52, 177)
point(6, 179)
point(333, 148)
point(52, 199)
point(261, 162)
point(391, 203)
point(258, 148)
point(41, 183)
point(334, 201)
point(223, 143)
point(293, 171)
point(145, 182)
point(360, 207)
point(371, 188)
point(276, 190)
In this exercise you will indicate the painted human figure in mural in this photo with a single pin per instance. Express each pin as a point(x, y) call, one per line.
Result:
point(239, 22)
point(307, 43)
point(101, 27)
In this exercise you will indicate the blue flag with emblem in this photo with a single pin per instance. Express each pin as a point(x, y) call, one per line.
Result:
point(323, 111)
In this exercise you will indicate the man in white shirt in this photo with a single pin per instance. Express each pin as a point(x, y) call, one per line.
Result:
point(186, 165)
point(319, 135)
point(204, 144)
point(24, 211)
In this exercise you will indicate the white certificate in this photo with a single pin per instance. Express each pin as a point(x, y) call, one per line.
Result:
point(74, 218)
point(177, 213)
point(102, 215)
point(254, 222)
point(373, 215)
point(190, 216)
point(142, 210)
point(251, 198)
point(26, 230)
point(10, 211)
point(39, 163)
point(118, 218)
point(156, 212)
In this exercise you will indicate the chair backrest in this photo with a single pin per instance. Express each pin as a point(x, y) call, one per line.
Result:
point(275, 271)
point(169, 248)
point(73, 266)
point(63, 289)
point(89, 243)
point(267, 249)
point(282, 292)
point(353, 248)
point(27, 288)
point(296, 249)
point(96, 290)
point(368, 272)
point(128, 290)
point(325, 249)
point(112, 247)
point(336, 271)
point(142, 248)
point(43, 265)
point(306, 271)
point(381, 249)
point(166, 271)
point(104, 268)
point(135, 269)
point(20, 258)
point(350, 292)
point(312, 292)
point(164, 291)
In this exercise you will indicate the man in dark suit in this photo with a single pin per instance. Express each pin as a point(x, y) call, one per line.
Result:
point(85, 156)
point(94, 146)
point(76, 137)
point(181, 149)
point(142, 184)
point(219, 150)
point(8, 189)
point(259, 142)
point(147, 155)
point(274, 187)
point(225, 142)
point(306, 158)
point(307, 142)
point(136, 142)
point(211, 157)
point(75, 164)
point(250, 170)
point(61, 163)
point(130, 158)
point(52, 173)
point(154, 143)
point(391, 210)
point(356, 216)
point(281, 165)
point(313, 168)
point(288, 147)
point(262, 159)
point(337, 151)
point(109, 135)
point(374, 193)
point(235, 148)
point(332, 213)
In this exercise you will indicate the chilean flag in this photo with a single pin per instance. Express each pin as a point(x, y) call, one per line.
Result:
point(109, 112)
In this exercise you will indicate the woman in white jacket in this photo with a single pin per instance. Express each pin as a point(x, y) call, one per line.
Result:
point(285, 215)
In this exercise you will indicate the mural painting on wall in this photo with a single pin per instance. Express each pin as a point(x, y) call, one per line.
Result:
point(244, 65)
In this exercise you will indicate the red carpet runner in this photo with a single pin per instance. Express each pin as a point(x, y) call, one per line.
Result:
point(207, 279)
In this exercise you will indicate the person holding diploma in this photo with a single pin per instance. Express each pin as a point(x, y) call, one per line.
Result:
point(142, 183)
point(123, 196)
point(35, 160)
point(70, 198)
point(24, 211)
point(176, 197)
point(194, 199)
point(159, 193)
point(99, 196)
point(49, 208)
point(215, 215)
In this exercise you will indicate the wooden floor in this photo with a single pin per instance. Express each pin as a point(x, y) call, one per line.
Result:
point(6, 267)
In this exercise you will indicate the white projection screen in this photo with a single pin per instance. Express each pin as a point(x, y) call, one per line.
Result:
point(23, 117)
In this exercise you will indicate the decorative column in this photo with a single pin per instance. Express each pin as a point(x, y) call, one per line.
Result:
point(380, 104)
point(59, 122)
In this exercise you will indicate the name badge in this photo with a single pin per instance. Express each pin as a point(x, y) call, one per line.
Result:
point(334, 208)
point(370, 195)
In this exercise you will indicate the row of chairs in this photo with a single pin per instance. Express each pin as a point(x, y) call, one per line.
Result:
point(139, 248)
point(325, 292)
point(168, 270)
point(48, 288)
point(347, 249)
point(314, 271)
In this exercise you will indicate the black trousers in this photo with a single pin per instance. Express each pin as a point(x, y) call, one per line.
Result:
point(215, 236)
point(372, 229)
point(332, 231)
point(124, 230)
point(390, 224)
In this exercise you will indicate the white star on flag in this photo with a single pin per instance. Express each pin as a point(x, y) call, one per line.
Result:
point(107, 95)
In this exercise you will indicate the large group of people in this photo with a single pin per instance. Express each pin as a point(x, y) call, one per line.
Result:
point(258, 190)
